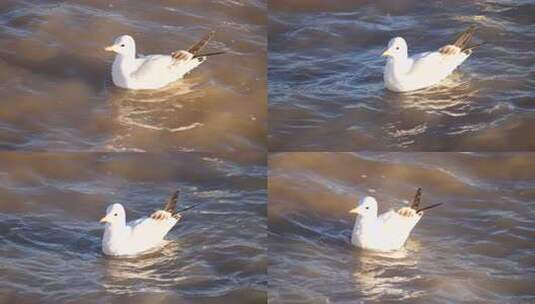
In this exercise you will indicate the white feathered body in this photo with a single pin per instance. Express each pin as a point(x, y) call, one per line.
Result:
point(136, 237)
point(386, 232)
point(150, 72)
point(420, 71)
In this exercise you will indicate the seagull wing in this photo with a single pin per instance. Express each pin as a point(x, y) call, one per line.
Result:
point(425, 64)
point(460, 44)
point(170, 205)
point(147, 232)
point(197, 47)
point(388, 219)
point(396, 228)
point(153, 66)
point(194, 50)
point(170, 67)
point(442, 62)
point(417, 199)
point(392, 221)
point(169, 210)
point(150, 230)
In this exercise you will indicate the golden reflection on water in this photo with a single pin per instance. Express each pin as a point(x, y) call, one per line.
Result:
point(167, 94)
point(371, 278)
point(121, 273)
point(452, 92)
point(60, 94)
point(143, 109)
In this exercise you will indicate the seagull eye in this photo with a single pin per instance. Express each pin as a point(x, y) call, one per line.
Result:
point(122, 45)
point(115, 214)
point(367, 207)
point(397, 47)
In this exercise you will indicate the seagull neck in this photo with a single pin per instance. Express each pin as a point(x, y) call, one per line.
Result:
point(113, 231)
point(368, 218)
point(125, 61)
point(364, 222)
point(399, 65)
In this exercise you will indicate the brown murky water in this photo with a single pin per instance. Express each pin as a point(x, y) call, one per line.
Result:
point(50, 237)
point(476, 248)
point(326, 93)
point(56, 88)
point(326, 77)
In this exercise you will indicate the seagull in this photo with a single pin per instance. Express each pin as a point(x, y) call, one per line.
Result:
point(388, 231)
point(403, 73)
point(121, 238)
point(153, 71)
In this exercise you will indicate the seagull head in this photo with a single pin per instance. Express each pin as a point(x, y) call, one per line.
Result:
point(123, 45)
point(367, 207)
point(115, 215)
point(397, 48)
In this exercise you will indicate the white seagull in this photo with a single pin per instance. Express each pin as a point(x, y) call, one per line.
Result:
point(121, 238)
point(403, 73)
point(388, 231)
point(153, 71)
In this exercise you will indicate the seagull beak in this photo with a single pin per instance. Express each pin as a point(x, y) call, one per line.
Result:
point(386, 53)
point(355, 211)
point(105, 220)
point(111, 48)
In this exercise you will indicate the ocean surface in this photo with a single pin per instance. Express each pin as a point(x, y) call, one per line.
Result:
point(478, 247)
point(326, 77)
point(50, 237)
point(55, 77)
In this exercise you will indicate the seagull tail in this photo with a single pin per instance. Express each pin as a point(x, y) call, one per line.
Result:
point(462, 40)
point(170, 205)
point(197, 47)
point(428, 207)
point(417, 199)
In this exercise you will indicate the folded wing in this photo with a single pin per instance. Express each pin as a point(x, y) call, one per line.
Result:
point(460, 44)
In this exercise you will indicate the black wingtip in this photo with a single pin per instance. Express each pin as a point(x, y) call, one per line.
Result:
point(208, 54)
point(469, 49)
point(188, 208)
point(428, 207)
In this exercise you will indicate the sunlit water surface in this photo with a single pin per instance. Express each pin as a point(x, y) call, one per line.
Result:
point(50, 237)
point(326, 77)
point(476, 248)
point(56, 89)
